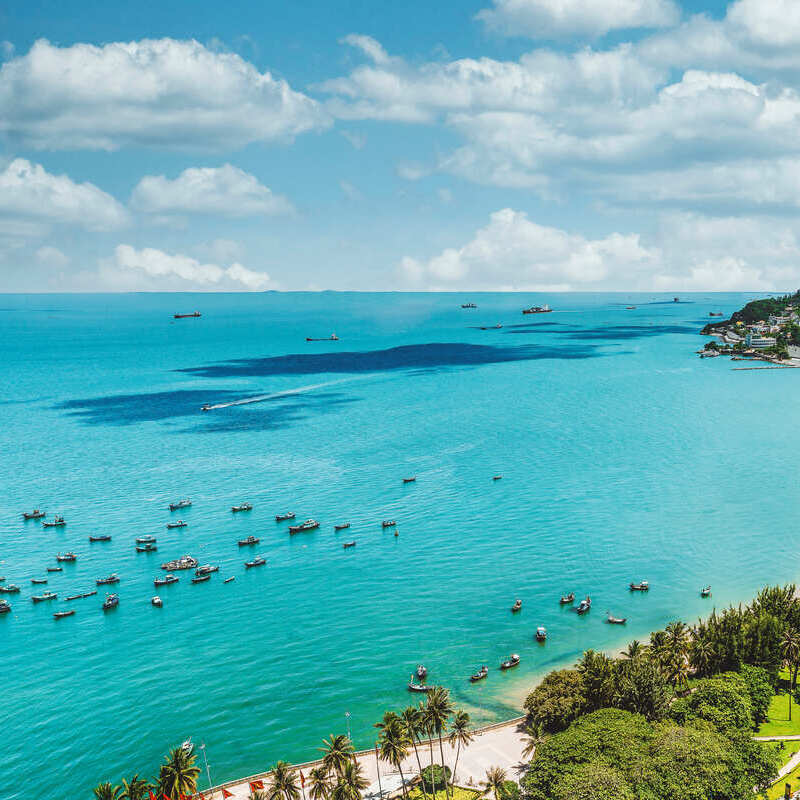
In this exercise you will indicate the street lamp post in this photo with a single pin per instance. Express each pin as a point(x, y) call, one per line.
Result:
point(205, 758)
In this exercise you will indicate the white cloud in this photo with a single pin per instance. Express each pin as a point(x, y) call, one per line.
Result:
point(168, 271)
point(514, 252)
point(29, 193)
point(371, 48)
point(52, 257)
point(545, 19)
point(767, 22)
point(164, 92)
point(350, 191)
point(225, 190)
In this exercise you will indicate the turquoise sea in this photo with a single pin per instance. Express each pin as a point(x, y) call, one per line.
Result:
point(623, 455)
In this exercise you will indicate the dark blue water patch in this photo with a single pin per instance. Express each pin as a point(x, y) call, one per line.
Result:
point(407, 357)
point(270, 413)
point(627, 332)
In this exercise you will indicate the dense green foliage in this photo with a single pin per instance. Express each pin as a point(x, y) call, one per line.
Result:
point(556, 701)
point(434, 777)
point(615, 754)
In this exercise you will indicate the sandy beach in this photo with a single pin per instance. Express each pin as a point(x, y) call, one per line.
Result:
point(499, 745)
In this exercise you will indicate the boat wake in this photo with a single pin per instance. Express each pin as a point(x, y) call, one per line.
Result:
point(286, 393)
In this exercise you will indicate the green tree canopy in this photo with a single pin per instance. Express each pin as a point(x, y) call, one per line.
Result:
point(556, 701)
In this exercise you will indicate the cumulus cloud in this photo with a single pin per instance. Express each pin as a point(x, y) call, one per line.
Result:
point(168, 271)
point(544, 19)
point(513, 252)
point(29, 193)
point(225, 190)
point(372, 48)
point(50, 256)
point(163, 92)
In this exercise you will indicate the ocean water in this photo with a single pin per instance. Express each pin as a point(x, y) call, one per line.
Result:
point(623, 455)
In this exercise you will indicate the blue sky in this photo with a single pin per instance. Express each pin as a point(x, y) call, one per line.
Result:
point(500, 144)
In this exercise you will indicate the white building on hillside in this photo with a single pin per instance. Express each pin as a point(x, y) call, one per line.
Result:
point(759, 342)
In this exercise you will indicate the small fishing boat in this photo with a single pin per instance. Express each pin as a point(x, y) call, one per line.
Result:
point(179, 524)
point(145, 539)
point(206, 569)
point(228, 580)
point(332, 338)
point(612, 620)
point(418, 687)
point(388, 523)
point(480, 674)
point(201, 578)
point(12, 588)
point(89, 594)
point(468, 305)
point(284, 517)
point(308, 525)
point(41, 598)
point(35, 514)
point(705, 591)
point(242, 507)
point(497, 478)
point(630, 308)
point(62, 614)
point(66, 557)
point(412, 479)
point(517, 606)
point(74, 597)
point(111, 601)
point(146, 548)
point(57, 522)
point(342, 526)
point(584, 605)
point(180, 504)
point(166, 580)
point(156, 601)
point(714, 314)
point(55, 569)
point(103, 538)
point(643, 586)
point(537, 310)
point(567, 599)
point(193, 315)
point(421, 672)
point(491, 327)
point(345, 545)
point(5, 606)
point(541, 633)
point(184, 562)
point(248, 541)
point(38, 581)
point(512, 662)
point(256, 562)
point(109, 579)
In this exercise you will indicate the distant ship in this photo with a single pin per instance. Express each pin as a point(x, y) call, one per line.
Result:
point(187, 316)
point(332, 338)
point(676, 299)
point(537, 310)
point(468, 305)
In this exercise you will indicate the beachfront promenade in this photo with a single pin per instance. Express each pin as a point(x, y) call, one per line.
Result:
point(498, 745)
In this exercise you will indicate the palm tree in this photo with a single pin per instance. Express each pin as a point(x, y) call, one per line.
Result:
point(412, 719)
point(495, 778)
point(790, 650)
point(105, 791)
point(440, 708)
point(319, 783)
point(134, 789)
point(634, 650)
point(677, 638)
point(426, 724)
point(532, 740)
point(351, 782)
point(258, 794)
point(460, 736)
point(677, 672)
point(283, 785)
point(178, 775)
point(393, 744)
point(338, 751)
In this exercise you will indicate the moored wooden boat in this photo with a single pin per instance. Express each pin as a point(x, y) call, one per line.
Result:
point(612, 620)
point(256, 562)
point(10, 588)
point(180, 504)
point(497, 478)
point(228, 580)
point(512, 661)
point(156, 601)
point(242, 507)
point(201, 578)
point(179, 524)
point(147, 548)
point(57, 522)
point(40, 598)
point(705, 591)
point(111, 601)
point(5, 606)
point(66, 557)
point(418, 687)
point(541, 634)
point(207, 569)
point(249, 541)
point(166, 580)
point(55, 569)
point(89, 594)
point(109, 579)
point(517, 606)
point(35, 514)
point(642, 586)
point(421, 672)
point(345, 545)
point(308, 525)
point(388, 523)
point(584, 605)
point(184, 562)
point(145, 539)
point(410, 480)
point(342, 526)
point(103, 538)
point(74, 597)
point(284, 517)
point(567, 598)
point(38, 581)
point(480, 674)
point(62, 614)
